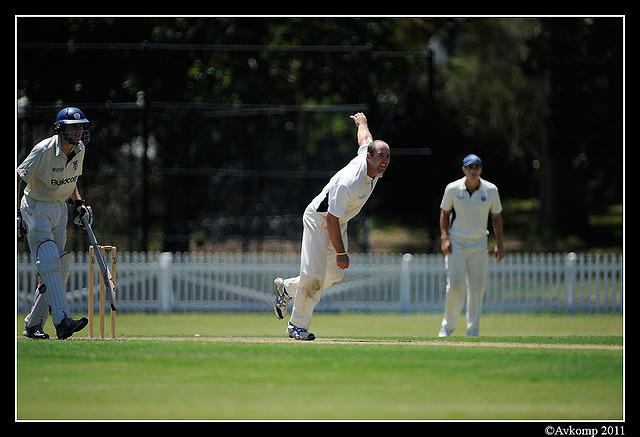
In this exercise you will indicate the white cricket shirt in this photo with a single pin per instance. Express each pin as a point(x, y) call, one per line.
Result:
point(51, 175)
point(471, 211)
point(348, 190)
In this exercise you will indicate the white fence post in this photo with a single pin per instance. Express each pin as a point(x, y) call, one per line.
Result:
point(165, 281)
point(405, 284)
point(570, 280)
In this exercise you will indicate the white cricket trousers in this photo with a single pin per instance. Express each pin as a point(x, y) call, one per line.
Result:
point(466, 276)
point(46, 224)
point(318, 269)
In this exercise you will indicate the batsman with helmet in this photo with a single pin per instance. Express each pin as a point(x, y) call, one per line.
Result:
point(51, 172)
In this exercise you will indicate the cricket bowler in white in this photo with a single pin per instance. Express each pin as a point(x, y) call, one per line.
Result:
point(464, 242)
point(51, 172)
point(323, 255)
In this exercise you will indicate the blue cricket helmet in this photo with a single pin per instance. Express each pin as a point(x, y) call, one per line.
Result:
point(71, 115)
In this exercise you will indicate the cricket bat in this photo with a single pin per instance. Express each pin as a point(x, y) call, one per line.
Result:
point(104, 270)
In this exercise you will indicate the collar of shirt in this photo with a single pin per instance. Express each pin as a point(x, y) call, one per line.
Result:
point(463, 187)
point(77, 148)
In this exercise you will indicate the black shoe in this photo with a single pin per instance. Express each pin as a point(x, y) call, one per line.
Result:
point(68, 326)
point(35, 332)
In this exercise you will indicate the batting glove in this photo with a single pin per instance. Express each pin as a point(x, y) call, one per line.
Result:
point(82, 211)
point(22, 230)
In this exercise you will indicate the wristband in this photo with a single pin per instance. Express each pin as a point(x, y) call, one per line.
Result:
point(341, 253)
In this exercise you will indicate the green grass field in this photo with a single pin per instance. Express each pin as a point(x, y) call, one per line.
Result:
point(228, 366)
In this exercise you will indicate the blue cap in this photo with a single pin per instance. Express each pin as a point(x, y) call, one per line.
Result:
point(471, 159)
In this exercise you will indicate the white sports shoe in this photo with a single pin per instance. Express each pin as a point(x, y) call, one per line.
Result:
point(299, 333)
point(444, 332)
point(282, 298)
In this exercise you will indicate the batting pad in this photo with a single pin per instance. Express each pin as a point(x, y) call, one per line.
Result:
point(39, 311)
point(49, 266)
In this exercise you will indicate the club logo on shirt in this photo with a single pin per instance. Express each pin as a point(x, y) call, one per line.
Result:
point(75, 164)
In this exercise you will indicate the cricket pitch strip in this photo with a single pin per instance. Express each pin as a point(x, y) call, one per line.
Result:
point(338, 341)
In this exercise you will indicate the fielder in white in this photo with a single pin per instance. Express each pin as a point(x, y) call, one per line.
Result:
point(51, 172)
point(324, 241)
point(464, 243)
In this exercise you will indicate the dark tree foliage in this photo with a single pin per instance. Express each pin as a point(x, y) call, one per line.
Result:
point(206, 129)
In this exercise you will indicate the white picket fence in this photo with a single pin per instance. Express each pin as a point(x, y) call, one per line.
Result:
point(165, 282)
